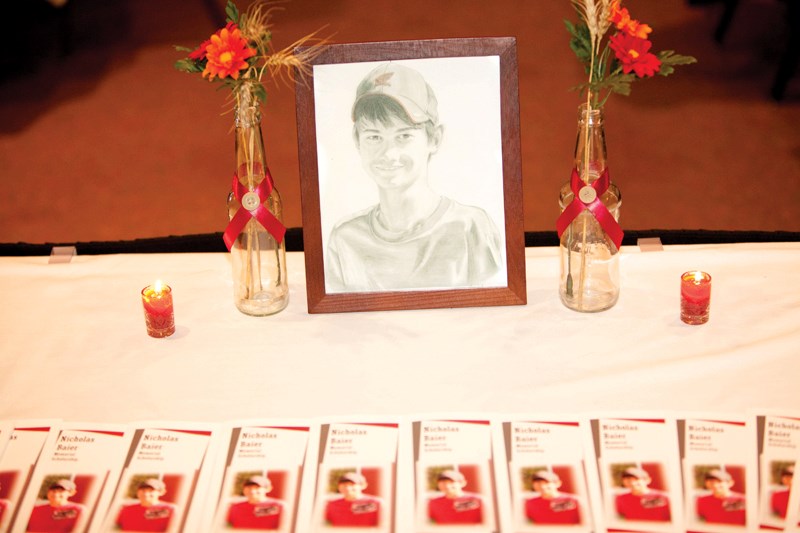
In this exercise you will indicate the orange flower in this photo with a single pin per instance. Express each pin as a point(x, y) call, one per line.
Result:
point(227, 53)
point(621, 18)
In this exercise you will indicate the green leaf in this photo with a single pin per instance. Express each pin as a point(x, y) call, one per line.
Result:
point(669, 60)
point(260, 92)
point(570, 27)
point(188, 65)
point(670, 57)
point(581, 42)
point(616, 83)
point(232, 11)
point(180, 48)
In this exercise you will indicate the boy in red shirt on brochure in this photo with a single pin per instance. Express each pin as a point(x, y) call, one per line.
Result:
point(779, 501)
point(354, 508)
point(455, 506)
point(258, 511)
point(641, 502)
point(58, 514)
point(150, 514)
point(551, 506)
point(722, 506)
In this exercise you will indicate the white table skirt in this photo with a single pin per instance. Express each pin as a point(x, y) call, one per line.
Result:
point(73, 344)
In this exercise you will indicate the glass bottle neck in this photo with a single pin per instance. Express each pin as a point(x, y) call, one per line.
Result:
point(247, 117)
point(590, 144)
point(250, 158)
point(247, 108)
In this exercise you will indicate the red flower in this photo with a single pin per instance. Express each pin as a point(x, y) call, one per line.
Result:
point(634, 55)
point(227, 53)
point(199, 53)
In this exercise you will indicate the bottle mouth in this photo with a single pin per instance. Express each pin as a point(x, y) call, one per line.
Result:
point(592, 116)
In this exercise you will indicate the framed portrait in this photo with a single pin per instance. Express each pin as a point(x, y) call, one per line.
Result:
point(411, 176)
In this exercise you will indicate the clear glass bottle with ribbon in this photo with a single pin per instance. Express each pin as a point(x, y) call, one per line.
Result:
point(255, 233)
point(588, 227)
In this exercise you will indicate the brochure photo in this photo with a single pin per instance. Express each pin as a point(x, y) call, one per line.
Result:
point(547, 475)
point(356, 483)
point(76, 466)
point(719, 472)
point(779, 447)
point(454, 482)
point(639, 473)
point(16, 467)
point(261, 477)
point(160, 479)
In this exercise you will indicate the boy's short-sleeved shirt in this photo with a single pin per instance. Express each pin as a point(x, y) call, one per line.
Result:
point(779, 502)
point(364, 511)
point(466, 509)
point(728, 510)
point(137, 517)
point(653, 505)
point(457, 246)
point(261, 515)
point(563, 509)
point(56, 519)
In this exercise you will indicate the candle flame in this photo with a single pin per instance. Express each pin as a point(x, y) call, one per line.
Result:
point(158, 287)
point(698, 277)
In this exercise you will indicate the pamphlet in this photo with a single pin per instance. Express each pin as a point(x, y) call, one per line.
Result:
point(454, 479)
point(546, 475)
point(355, 487)
point(17, 464)
point(793, 513)
point(639, 472)
point(778, 449)
point(166, 471)
point(257, 484)
point(720, 472)
point(69, 489)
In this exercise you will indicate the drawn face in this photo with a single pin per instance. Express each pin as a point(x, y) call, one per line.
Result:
point(395, 155)
point(58, 497)
point(350, 491)
point(256, 493)
point(148, 496)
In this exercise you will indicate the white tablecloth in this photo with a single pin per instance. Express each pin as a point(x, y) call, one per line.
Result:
point(73, 344)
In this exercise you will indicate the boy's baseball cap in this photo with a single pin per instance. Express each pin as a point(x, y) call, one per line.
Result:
point(638, 473)
point(261, 481)
point(352, 477)
point(64, 484)
point(152, 483)
point(545, 475)
point(405, 86)
point(452, 475)
point(716, 473)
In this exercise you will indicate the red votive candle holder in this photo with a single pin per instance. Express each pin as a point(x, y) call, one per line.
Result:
point(159, 315)
point(695, 297)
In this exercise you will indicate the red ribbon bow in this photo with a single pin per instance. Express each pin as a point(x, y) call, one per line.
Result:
point(590, 200)
point(246, 197)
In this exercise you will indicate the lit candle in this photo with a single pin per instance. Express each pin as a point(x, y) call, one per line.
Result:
point(695, 297)
point(158, 313)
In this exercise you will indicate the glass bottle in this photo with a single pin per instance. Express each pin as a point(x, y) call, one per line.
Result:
point(260, 286)
point(589, 278)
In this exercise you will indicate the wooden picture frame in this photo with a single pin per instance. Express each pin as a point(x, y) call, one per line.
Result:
point(469, 123)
